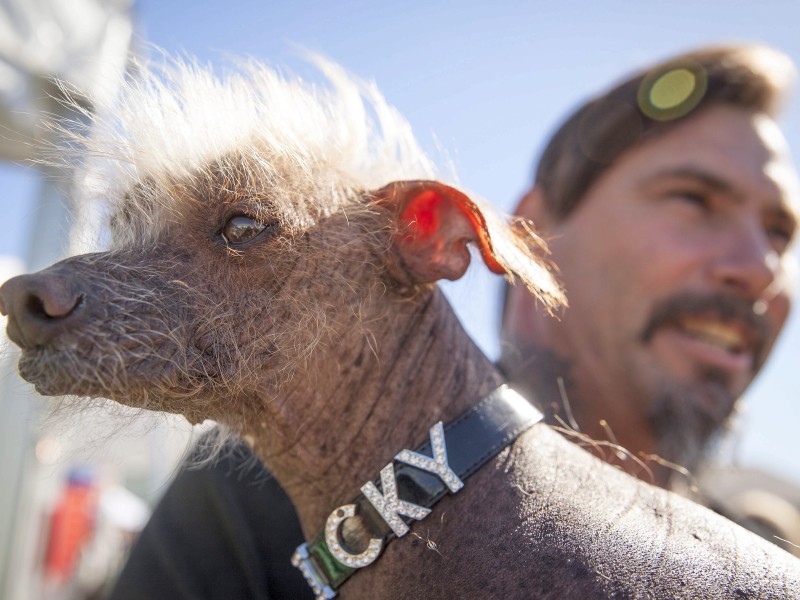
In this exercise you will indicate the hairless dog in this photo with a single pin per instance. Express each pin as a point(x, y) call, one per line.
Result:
point(274, 248)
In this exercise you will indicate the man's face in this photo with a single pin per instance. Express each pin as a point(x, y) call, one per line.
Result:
point(678, 274)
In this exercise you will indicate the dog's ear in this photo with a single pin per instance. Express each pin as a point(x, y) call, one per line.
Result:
point(434, 224)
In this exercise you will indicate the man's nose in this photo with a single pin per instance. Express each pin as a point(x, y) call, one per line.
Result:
point(748, 264)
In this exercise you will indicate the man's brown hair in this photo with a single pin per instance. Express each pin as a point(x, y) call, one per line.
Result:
point(652, 101)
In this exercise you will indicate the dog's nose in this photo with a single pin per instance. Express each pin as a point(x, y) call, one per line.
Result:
point(39, 307)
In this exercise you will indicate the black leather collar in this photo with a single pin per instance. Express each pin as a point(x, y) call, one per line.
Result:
point(470, 440)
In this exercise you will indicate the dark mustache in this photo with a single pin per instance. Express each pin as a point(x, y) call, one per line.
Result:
point(725, 307)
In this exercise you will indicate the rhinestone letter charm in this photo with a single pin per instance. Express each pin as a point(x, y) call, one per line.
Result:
point(302, 560)
point(389, 506)
point(437, 465)
point(355, 561)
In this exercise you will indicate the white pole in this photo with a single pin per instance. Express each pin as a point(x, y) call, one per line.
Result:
point(85, 44)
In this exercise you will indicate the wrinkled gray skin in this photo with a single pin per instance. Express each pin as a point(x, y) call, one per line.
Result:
point(311, 341)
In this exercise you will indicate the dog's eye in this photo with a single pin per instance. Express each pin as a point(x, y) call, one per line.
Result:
point(240, 229)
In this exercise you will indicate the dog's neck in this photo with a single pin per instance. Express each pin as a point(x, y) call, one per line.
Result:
point(385, 397)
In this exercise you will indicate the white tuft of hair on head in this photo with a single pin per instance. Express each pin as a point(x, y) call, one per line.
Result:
point(172, 119)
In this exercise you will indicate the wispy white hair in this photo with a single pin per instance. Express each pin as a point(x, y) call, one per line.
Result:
point(172, 120)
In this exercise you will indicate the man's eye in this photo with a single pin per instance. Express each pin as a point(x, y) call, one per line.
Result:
point(240, 229)
point(699, 200)
point(781, 236)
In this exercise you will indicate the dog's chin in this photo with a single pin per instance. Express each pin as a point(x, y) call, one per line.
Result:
point(36, 367)
point(54, 373)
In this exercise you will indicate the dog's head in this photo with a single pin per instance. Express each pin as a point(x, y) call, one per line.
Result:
point(258, 227)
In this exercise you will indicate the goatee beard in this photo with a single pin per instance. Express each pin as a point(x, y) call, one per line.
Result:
point(687, 418)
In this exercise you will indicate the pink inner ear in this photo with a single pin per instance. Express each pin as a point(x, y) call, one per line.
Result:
point(423, 216)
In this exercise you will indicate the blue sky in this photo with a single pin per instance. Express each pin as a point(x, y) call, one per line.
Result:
point(487, 82)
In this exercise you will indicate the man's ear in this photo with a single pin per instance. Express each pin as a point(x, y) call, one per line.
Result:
point(532, 206)
point(433, 225)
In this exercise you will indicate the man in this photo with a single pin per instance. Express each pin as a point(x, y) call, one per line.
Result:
point(669, 205)
point(670, 223)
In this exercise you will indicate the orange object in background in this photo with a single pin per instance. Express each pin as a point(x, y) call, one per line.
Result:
point(71, 526)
